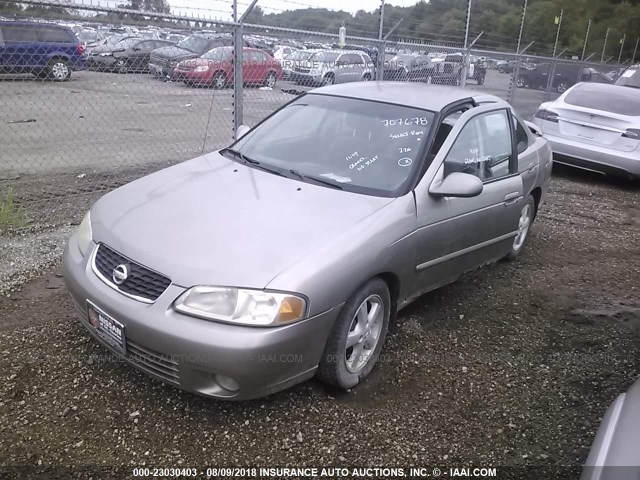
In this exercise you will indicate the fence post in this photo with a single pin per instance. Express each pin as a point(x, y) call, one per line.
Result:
point(586, 39)
point(516, 74)
point(604, 46)
point(624, 37)
point(238, 104)
point(465, 57)
point(635, 50)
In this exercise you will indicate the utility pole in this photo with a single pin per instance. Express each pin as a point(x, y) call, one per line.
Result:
point(381, 20)
point(604, 47)
point(465, 66)
point(624, 37)
point(466, 30)
point(524, 13)
point(586, 38)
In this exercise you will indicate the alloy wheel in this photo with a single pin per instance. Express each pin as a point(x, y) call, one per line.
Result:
point(523, 227)
point(364, 333)
point(60, 70)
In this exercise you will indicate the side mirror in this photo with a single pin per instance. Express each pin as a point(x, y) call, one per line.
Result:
point(457, 184)
point(242, 131)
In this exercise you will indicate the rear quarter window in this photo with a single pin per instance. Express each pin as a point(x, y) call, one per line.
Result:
point(616, 99)
point(54, 35)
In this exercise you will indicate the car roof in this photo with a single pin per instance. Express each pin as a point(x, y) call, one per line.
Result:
point(25, 22)
point(412, 94)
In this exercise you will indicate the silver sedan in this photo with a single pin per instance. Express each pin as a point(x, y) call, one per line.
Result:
point(594, 126)
point(286, 255)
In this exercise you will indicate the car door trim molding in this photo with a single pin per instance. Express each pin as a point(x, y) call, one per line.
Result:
point(464, 251)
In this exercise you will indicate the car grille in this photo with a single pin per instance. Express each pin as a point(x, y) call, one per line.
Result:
point(302, 70)
point(153, 363)
point(141, 283)
point(448, 68)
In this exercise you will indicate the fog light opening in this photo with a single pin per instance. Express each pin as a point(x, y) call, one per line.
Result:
point(227, 383)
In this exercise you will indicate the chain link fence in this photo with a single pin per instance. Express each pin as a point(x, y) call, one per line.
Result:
point(94, 97)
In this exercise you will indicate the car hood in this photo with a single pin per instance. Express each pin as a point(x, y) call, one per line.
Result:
point(174, 52)
point(214, 221)
point(107, 48)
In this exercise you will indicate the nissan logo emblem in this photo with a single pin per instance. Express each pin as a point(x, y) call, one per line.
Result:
point(120, 274)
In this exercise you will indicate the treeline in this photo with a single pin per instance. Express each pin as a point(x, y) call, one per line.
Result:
point(444, 21)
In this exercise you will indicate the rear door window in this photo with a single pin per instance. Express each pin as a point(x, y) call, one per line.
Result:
point(53, 34)
point(19, 33)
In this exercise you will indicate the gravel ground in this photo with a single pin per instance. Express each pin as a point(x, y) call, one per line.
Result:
point(513, 365)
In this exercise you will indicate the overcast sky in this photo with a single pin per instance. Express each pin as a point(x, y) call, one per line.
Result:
point(222, 8)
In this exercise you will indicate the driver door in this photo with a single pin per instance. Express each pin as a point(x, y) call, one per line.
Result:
point(456, 235)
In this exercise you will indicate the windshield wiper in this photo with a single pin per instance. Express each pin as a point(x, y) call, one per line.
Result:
point(302, 176)
point(250, 161)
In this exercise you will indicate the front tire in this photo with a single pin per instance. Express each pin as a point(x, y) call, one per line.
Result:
point(562, 86)
point(328, 80)
point(527, 214)
point(480, 79)
point(58, 70)
point(358, 335)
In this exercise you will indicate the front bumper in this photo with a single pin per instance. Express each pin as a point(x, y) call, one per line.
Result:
point(161, 71)
point(307, 78)
point(188, 352)
point(593, 157)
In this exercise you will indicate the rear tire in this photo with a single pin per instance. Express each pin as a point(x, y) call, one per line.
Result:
point(271, 80)
point(58, 70)
point(367, 77)
point(520, 82)
point(527, 214)
point(355, 342)
point(562, 86)
point(220, 80)
point(480, 79)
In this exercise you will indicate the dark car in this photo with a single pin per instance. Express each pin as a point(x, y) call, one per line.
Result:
point(101, 58)
point(46, 50)
point(407, 67)
point(164, 60)
point(565, 75)
point(130, 55)
point(449, 71)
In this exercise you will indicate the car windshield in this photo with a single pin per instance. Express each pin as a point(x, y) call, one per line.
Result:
point(362, 146)
point(299, 55)
point(325, 57)
point(194, 43)
point(219, 53)
point(114, 39)
point(620, 100)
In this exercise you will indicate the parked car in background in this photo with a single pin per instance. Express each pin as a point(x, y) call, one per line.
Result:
point(109, 41)
point(91, 36)
point(409, 67)
point(46, 50)
point(282, 51)
point(595, 127)
point(335, 66)
point(630, 77)
point(215, 68)
point(617, 441)
point(449, 70)
point(565, 76)
point(505, 66)
point(102, 58)
point(187, 295)
point(299, 58)
point(130, 55)
point(164, 60)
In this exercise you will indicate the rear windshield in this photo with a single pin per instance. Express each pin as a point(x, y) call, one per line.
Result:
point(615, 99)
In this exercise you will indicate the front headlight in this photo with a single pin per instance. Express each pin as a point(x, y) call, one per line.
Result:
point(173, 64)
point(201, 68)
point(106, 54)
point(242, 306)
point(85, 235)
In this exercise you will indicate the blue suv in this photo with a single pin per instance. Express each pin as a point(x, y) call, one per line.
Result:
point(46, 50)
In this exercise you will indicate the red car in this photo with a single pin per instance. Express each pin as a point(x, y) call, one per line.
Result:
point(216, 68)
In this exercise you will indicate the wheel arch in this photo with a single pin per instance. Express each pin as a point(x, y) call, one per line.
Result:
point(536, 193)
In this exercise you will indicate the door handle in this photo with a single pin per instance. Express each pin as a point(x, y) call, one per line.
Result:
point(532, 166)
point(511, 198)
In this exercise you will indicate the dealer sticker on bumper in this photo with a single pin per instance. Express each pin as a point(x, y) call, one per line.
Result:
point(107, 328)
